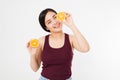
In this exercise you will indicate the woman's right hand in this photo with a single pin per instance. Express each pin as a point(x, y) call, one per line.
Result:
point(32, 50)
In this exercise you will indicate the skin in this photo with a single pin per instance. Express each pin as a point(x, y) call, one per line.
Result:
point(77, 40)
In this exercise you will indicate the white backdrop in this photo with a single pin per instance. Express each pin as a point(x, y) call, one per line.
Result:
point(98, 21)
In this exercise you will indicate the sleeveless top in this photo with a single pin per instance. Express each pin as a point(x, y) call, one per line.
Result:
point(57, 61)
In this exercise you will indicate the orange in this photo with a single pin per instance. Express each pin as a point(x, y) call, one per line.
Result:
point(34, 43)
point(61, 16)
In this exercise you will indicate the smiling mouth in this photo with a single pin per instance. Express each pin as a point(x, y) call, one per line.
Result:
point(57, 26)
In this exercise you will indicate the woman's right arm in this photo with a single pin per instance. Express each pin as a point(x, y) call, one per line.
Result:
point(35, 56)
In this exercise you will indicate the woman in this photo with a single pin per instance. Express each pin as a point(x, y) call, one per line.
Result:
point(56, 49)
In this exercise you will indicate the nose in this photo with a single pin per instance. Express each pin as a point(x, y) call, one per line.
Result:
point(54, 21)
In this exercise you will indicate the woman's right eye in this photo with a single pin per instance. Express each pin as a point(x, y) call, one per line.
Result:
point(49, 22)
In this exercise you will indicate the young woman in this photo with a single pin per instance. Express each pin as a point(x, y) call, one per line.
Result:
point(56, 49)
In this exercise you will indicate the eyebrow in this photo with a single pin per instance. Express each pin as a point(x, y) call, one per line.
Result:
point(49, 19)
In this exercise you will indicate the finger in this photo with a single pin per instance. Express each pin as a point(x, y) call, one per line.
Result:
point(28, 44)
point(67, 14)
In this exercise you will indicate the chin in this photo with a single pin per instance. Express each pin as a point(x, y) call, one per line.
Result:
point(56, 31)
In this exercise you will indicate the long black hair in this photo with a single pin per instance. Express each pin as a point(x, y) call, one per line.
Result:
point(42, 17)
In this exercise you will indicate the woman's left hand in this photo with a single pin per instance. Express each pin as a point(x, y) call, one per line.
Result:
point(68, 20)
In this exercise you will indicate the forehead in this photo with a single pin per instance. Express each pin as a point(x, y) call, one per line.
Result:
point(49, 15)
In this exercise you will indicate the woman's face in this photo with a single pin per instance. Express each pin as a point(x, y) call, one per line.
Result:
point(52, 23)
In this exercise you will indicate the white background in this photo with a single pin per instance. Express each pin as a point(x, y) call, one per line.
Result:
point(98, 21)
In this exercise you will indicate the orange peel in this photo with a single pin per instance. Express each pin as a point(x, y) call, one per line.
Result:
point(34, 43)
point(61, 16)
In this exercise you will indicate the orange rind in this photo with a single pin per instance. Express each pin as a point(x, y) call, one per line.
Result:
point(61, 16)
point(34, 43)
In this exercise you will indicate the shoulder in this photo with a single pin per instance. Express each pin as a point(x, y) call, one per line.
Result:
point(71, 39)
point(42, 41)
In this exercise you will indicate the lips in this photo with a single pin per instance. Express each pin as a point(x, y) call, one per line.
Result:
point(57, 25)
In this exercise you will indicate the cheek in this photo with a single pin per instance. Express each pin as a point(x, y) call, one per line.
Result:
point(49, 26)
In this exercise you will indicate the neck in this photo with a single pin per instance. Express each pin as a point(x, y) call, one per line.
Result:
point(57, 35)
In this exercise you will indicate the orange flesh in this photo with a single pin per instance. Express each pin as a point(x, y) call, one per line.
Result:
point(61, 16)
point(34, 43)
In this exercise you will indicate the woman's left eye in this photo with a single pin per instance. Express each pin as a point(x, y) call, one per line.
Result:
point(54, 17)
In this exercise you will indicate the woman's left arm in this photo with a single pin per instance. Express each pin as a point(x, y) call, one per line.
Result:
point(78, 41)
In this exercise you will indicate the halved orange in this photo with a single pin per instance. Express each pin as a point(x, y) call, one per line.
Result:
point(61, 16)
point(34, 43)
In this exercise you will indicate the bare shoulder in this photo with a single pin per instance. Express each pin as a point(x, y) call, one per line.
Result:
point(71, 39)
point(42, 40)
point(71, 36)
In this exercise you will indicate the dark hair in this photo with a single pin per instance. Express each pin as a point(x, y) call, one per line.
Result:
point(42, 17)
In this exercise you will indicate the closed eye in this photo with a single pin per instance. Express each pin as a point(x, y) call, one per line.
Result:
point(54, 16)
point(48, 22)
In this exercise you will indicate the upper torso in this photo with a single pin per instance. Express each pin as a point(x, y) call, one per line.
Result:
point(56, 59)
point(42, 41)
